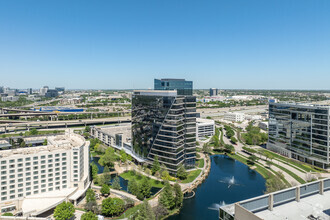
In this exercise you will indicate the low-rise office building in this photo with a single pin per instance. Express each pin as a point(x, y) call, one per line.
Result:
point(37, 178)
point(204, 127)
point(301, 132)
point(235, 117)
point(116, 136)
point(307, 201)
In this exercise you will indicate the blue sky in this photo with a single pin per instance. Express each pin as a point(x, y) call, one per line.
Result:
point(250, 44)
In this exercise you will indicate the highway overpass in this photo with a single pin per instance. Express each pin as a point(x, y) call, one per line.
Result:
point(22, 126)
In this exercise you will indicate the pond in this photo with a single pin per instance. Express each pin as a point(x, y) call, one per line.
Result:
point(123, 182)
point(229, 181)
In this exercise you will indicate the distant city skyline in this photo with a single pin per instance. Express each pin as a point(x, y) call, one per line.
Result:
point(221, 44)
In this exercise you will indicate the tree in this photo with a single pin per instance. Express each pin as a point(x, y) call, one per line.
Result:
point(87, 129)
point(178, 195)
point(133, 187)
point(112, 206)
point(105, 189)
point(89, 216)
point(101, 180)
point(252, 159)
point(108, 158)
point(206, 148)
point(95, 170)
point(45, 142)
point(166, 197)
point(34, 131)
point(165, 175)
point(116, 183)
point(123, 156)
point(229, 148)
point(92, 206)
point(90, 195)
point(145, 188)
point(145, 212)
point(233, 140)
point(155, 166)
point(182, 173)
point(160, 211)
point(107, 175)
point(22, 144)
point(64, 211)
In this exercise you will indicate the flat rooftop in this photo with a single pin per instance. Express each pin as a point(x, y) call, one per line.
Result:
point(316, 205)
point(156, 92)
point(112, 130)
point(54, 142)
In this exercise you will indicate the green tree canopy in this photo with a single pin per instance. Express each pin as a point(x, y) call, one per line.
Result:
point(166, 197)
point(112, 206)
point(145, 212)
point(90, 195)
point(155, 166)
point(116, 183)
point(89, 216)
point(145, 187)
point(178, 195)
point(182, 173)
point(133, 187)
point(64, 211)
point(105, 189)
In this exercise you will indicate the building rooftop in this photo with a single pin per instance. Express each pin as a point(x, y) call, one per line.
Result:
point(316, 205)
point(55, 142)
point(156, 92)
point(204, 121)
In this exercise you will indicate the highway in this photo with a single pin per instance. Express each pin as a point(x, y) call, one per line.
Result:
point(9, 127)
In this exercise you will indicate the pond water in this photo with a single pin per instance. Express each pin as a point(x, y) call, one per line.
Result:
point(123, 182)
point(229, 181)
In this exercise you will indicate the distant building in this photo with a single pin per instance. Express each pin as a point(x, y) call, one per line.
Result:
point(164, 125)
point(301, 132)
point(182, 86)
point(9, 98)
point(204, 127)
point(1, 89)
point(35, 179)
point(307, 201)
point(29, 91)
point(60, 89)
point(214, 92)
point(51, 93)
point(43, 90)
point(235, 117)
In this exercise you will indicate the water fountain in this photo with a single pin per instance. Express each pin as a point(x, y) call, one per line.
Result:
point(230, 181)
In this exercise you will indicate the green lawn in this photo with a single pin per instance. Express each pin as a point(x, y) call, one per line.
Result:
point(192, 175)
point(302, 166)
point(296, 177)
point(201, 163)
point(130, 175)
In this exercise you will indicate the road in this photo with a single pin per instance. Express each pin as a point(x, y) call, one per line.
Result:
point(61, 124)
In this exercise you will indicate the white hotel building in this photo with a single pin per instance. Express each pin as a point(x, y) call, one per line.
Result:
point(36, 179)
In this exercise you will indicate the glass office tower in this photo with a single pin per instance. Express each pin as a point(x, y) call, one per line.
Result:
point(300, 131)
point(164, 125)
point(182, 86)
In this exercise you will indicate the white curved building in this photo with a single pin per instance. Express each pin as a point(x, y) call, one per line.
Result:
point(35, 179)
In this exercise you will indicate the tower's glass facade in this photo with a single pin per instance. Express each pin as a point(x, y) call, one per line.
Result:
point(300, 132)
point(182, 86)
point(164, 125)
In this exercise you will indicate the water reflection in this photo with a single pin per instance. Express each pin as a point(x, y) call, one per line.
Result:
point(227, 183)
